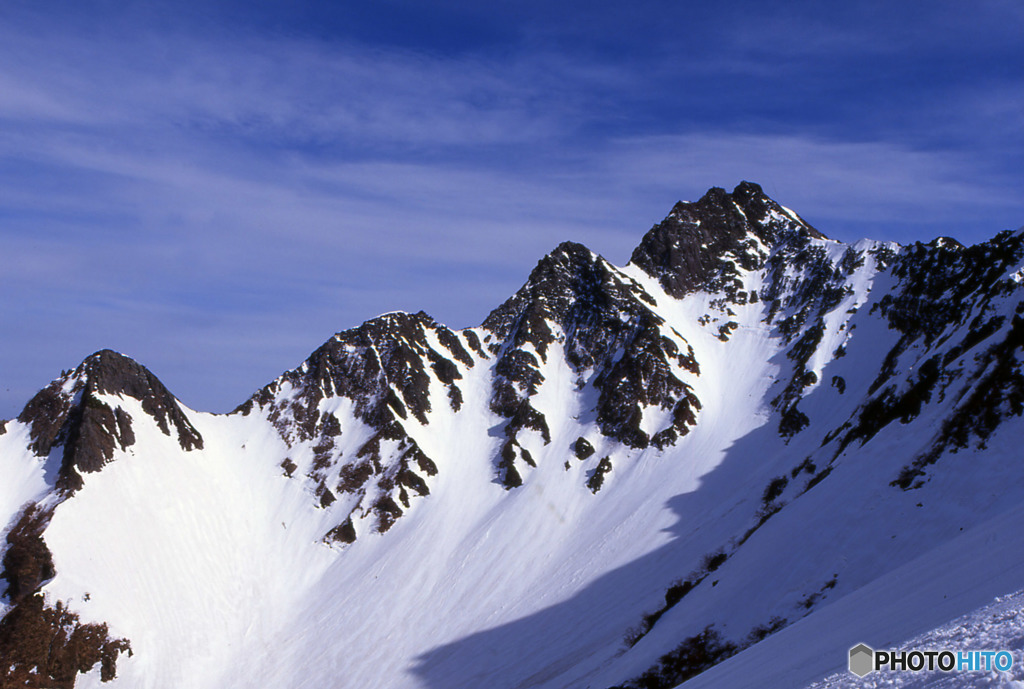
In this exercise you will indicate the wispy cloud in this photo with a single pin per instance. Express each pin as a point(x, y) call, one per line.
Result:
point(234, 198)
point(851, 188)
point(276, 90)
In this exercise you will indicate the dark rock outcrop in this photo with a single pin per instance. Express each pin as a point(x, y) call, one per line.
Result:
point(700, 244)
point(27, 562)
point(44, 646)
point(610, 337)
point(385, 367)
point(70, 413)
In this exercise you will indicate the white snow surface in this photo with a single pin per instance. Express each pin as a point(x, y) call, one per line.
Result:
point(198, 557)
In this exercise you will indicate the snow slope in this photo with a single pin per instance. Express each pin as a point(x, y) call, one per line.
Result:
point(962, 594)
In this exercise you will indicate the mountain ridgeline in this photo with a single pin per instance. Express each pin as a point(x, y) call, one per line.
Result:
point(742, 371)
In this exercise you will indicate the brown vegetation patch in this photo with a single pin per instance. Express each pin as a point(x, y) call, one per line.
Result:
point(46, 648)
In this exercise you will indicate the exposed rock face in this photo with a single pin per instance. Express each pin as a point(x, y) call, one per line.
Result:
point(69, 413)
point(609, 335)
point(47, 647)
point(27, 562)
point(385, 367)
point(711, 244)
point(43, 645)
point(382, 366)
point(611, 338)
point(949, 308)
point(699, 245)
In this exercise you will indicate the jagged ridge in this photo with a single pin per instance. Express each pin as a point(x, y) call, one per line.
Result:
point(753, 263)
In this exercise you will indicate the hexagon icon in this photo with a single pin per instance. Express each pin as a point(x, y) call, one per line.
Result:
point(862, 660)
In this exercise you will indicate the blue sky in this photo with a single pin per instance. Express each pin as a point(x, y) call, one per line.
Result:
point(216, 188)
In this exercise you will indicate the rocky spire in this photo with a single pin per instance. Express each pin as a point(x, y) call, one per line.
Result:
point(691, 247)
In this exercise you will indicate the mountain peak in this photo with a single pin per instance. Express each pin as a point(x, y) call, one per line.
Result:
point(689, 247)
point(568, 280)
point(749, 193)
point(562, 261)
point(113, 373)
point(70, 413)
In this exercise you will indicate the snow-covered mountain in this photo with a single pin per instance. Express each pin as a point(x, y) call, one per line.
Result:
point(744, 452)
